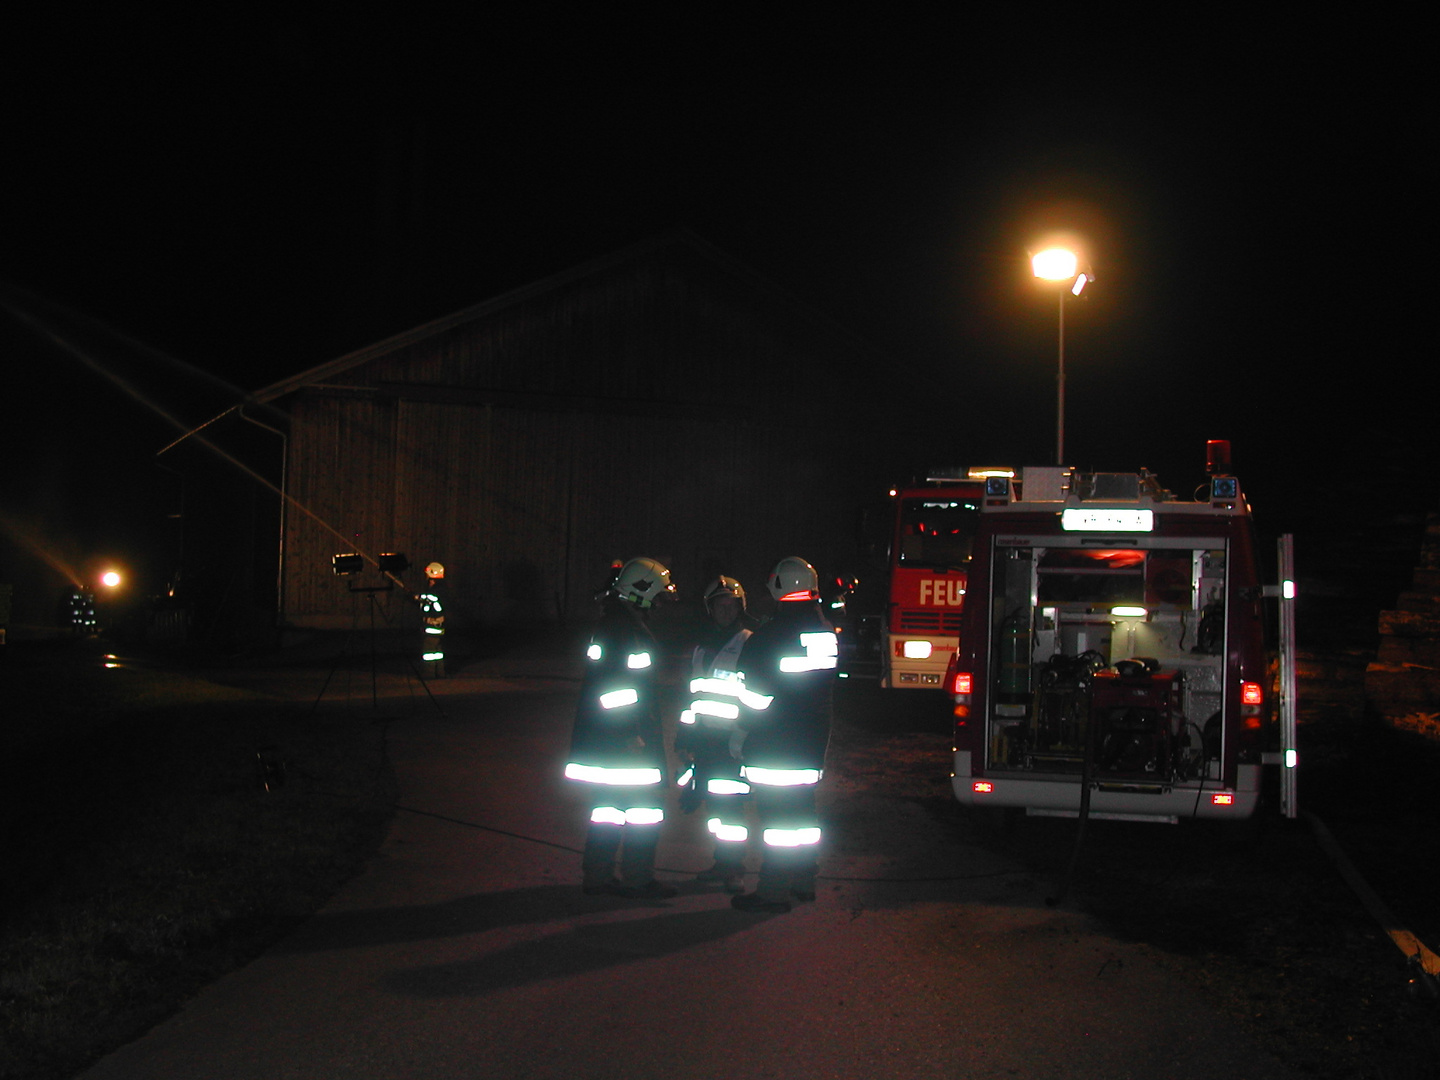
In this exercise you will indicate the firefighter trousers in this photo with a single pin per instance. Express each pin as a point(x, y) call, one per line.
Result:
point(790, 840)
point(624, 823)
point(725, 820)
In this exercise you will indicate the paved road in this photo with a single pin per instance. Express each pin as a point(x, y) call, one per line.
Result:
point(466, 949)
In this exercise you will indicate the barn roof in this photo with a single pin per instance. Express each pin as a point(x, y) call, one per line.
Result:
point(802, 314)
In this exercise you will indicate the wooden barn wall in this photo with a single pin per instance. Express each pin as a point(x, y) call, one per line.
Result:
point(341, 482)
point(526, 510)
point(478, 490)
point(664, 409)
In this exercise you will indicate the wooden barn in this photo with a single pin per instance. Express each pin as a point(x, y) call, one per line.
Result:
point(663, 401)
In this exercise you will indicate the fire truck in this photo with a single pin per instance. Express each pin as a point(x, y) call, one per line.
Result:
point(932, 526)
point(1115, 656)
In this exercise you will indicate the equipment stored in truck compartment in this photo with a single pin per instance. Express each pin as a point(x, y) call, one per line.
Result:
point(1112, 654)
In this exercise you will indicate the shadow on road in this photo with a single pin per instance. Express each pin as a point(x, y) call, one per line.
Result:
point(573, 951)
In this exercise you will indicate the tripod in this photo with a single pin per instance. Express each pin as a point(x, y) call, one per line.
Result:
point(369, 592)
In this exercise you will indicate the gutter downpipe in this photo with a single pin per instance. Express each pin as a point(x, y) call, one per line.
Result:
point(284, 513)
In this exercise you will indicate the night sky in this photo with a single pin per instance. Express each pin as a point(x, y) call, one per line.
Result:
point(220, 202)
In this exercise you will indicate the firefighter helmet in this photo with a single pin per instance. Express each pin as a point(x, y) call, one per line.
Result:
point(641, 580)
point(724, 586)
point(794, 579)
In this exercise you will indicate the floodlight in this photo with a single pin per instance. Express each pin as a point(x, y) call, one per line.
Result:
point(349, 563)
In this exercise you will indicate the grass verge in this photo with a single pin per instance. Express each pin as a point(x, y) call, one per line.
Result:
point(148, 848)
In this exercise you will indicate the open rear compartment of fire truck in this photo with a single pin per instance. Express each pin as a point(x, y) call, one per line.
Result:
point(1119, 635)
point(1119, 648)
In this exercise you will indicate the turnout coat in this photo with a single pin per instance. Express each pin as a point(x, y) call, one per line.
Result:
point(617, 739)
point(791, 661)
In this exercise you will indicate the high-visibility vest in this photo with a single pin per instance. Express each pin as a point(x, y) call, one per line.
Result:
point(716, 689)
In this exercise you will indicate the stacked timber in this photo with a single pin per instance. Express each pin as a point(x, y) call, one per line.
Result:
point(1402, 684)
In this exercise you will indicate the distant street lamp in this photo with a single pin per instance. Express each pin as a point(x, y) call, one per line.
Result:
point(1061, 265)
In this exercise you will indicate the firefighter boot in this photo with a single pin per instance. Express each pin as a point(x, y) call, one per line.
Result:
point(637, 865)
point(729, 868)
point(602, 843)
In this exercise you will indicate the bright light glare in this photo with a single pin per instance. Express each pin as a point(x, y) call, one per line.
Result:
point(110, 579)
point(1055, 264)
point(1129, 611)
point(917, 650)
point(1080, 283)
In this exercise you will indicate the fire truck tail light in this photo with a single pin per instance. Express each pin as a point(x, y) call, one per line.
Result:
point(1251, 694)
point(962, 715)
point(982, 787)
point(964, 683)
point(1222, 798)
point(1252, 723)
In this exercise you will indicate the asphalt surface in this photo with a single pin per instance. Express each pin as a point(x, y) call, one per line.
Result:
point(466, 949)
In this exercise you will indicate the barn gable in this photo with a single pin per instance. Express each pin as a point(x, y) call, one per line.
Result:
point(663, 401)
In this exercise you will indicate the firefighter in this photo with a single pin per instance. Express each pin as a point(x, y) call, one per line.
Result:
point(617, 749)
point(707, 727)
point(789, 668)
point(432, 619)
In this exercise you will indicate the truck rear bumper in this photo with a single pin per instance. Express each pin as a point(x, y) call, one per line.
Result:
point(1119, 799)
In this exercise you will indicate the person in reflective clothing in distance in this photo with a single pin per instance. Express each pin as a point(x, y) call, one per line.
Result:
point(617, 749)
point(789, 668)
point(707, 726)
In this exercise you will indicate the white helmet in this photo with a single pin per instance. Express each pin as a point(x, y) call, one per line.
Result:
point(724, 586)
point(794, 579)
point(641, 580)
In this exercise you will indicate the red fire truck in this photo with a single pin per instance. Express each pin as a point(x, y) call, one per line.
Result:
point(1113, 657)
point(933, 524)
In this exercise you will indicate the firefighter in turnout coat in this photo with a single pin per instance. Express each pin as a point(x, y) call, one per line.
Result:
point(617, 750)
point(707, 726)
point(789, 668)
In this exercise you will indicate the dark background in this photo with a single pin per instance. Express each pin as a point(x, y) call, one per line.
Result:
point(204, 203)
